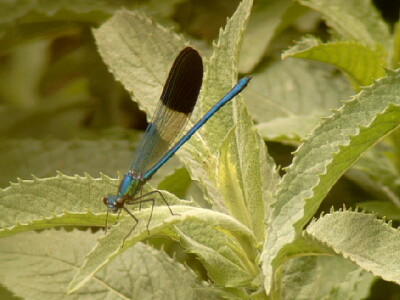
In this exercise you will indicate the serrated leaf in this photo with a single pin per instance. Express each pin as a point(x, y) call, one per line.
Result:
point(361, 63)
point(111, 245)
point(51, 257)
point(127, 47)
point(324, 277)
point(356, 20)
point(368, 242)
point(21, 158)
point(219, 78)
point(385, 209)
point(333, 147)
point(57, 201)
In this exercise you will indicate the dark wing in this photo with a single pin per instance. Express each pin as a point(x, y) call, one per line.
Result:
point(173, 110)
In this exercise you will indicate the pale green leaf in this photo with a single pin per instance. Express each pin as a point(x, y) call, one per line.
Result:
point(332, 148)
point(222, 255)
point(219, 78)
point(139, 53)
point(287, 98)
point(58, 201)
point(247, 190)
point(110, 246)
point(50, 259)
point(291, 128)
point(324, 277)
point(355, 286)
point(365, 240)
point(265, 21)
point(354, 20)
point(61, 200)
point(294, 88)
point(141, 60)
point(360, 62)
point(376, 173)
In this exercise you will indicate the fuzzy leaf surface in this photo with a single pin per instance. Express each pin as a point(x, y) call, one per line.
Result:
point(365, 240)
point(332, 148)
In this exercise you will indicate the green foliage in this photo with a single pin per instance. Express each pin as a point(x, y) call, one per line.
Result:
point(245, 232)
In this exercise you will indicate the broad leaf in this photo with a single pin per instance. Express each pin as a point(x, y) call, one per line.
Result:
point(287, 98)
point(141, 272)
point(59, 201)
point(266, 19)
point(324, 277)
point(332, 148)
point(355, 20)
point(360, 62)
point(112, 245)
point(367, 241)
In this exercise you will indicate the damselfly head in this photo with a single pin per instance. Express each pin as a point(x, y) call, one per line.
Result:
point(111, 202)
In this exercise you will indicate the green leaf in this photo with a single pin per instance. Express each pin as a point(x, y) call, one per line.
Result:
point(265, 21)
point(139, 53)
point(365, 240)
point(61, 200)
point(360, 62)
point(50, 259)
point(291, 128)
point(247, 190)
point(110, 246)
point(332, 148)
point(376, 173)
point(223, 255)
point(178, 183)
point(324, 277)
point(287, 98)
point(354, 20)
point(219, 78)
